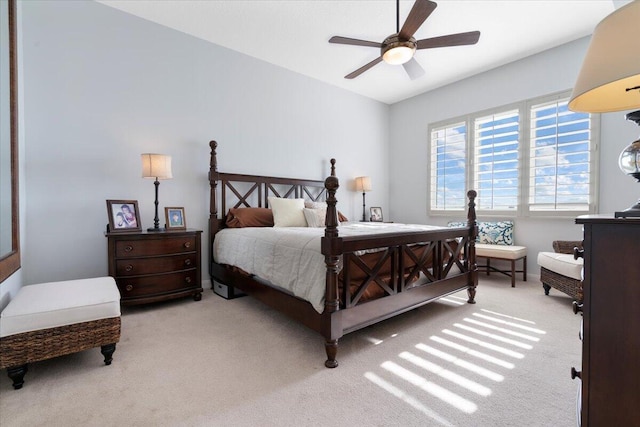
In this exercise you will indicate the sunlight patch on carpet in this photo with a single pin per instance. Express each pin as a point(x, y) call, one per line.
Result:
point(462, 364)
point(503, 330)
point(446, 374)
point(432, 388)
point(406, 397)
point(492, 335)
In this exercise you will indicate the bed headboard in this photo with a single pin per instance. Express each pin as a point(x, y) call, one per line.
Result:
point(232, 190)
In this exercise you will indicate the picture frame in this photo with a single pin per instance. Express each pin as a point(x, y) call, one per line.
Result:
point(124, 216)
point(175, 219)
point(376, 214)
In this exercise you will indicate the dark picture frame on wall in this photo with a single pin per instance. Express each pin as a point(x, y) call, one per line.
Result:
point(376, 214)
point(124, 216)
point(174, 218)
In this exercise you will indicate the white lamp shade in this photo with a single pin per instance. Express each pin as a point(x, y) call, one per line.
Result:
point(363, 183)
point(156, 166)
point(611, 65)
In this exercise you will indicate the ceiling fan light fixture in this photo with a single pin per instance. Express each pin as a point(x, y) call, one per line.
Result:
point(396, 52)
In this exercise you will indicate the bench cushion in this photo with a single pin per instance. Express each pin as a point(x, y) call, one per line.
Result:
point(563, 264)
point(500, 251)
point(54, 304)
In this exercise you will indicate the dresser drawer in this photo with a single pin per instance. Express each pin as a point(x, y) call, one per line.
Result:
point(151, 247)
point(156, 285)
point(139, 266)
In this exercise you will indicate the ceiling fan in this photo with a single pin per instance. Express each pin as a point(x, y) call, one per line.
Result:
point(400, 47)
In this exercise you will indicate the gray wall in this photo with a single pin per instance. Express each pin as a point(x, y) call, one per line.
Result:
point(551, 71)
point(102, 87)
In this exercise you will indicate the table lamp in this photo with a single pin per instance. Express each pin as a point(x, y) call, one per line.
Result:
point(363, 183)
point(157, 166)
point(609, 80)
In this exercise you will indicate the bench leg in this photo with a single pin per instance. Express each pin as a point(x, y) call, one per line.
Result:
point(513, 273)
point(107, 352)
point(488, 265)
point(16, 373)
point(524, 269)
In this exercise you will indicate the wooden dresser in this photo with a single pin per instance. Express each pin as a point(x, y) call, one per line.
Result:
point(611, 322)
point(155, 266)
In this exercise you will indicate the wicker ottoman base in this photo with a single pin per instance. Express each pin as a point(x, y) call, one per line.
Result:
point(567, 285)
point(19, 349)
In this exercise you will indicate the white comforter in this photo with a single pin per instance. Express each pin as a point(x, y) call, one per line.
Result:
point(290, 257)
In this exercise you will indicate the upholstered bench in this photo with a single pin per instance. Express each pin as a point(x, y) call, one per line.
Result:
point(495, 242)
point(53, 319)
point(560, 270)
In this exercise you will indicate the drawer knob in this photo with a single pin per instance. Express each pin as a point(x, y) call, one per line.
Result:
point(129, 267)
point(577, 308)
point(128, 248)
point(575, 374)
point(187, 262)
point(578, 253)
point(187, 279)
point(129, 287)
point(187, 244)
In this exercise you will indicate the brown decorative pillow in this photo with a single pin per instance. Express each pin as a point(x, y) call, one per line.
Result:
point(249, 217)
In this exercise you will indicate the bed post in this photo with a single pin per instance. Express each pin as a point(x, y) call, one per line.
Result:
point(213, 204)
point(331, 302)
point(473, 226)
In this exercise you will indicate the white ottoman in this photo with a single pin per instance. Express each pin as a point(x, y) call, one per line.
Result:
point(562, 272)
point(57, 318)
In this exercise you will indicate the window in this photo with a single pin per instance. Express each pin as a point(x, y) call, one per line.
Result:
point(532, 158)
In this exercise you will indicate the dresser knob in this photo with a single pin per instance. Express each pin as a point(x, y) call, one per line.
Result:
point(187, 279)
point(129, 287)
point(578, 253)
point(575, 373)
point(128, 248)
point(129, 267)
point(577, 308)
point(187, 244)
point(187, 262)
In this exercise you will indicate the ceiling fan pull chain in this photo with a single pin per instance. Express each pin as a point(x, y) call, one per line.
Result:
point(397, 16)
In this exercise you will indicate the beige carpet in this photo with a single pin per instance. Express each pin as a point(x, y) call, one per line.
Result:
point(504, 361)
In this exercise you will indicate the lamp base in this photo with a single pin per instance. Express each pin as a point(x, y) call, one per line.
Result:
point(155, 229)
point(632, 212)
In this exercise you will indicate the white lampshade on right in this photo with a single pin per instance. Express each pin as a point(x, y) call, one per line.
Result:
point(609, 80)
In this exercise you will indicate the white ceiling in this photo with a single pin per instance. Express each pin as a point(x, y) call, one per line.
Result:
point(294, 34)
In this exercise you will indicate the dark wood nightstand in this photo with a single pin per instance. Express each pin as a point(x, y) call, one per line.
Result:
point(155, 266)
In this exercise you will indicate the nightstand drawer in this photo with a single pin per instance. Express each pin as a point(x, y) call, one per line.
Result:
point(139, 266)
point(150, 247)
point(156, 285)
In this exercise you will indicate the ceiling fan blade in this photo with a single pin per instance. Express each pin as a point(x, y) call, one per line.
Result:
point(419, 13)
point(364, 68)
point(413, 69)
point(356, 42)
point(459, 39)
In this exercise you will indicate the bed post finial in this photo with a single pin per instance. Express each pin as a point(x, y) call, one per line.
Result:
point(333, 167)
point(473, 226)
point(213, 165)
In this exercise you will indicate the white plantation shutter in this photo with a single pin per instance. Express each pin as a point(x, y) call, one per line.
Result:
point(448, 167)
point(532, 158)
point(496, 145)
point(560, 167)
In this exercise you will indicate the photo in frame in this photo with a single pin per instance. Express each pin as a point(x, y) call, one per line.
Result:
point(123, 216)
point(174, 218)
point(376, 214)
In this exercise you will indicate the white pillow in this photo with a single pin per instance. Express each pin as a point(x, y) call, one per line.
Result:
point(315, 217)
point(315, 205)
point(287, 212)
